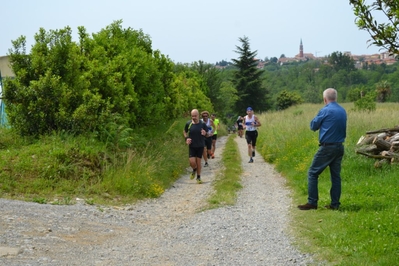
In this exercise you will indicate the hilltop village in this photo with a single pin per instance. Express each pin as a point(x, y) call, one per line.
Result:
point(360, 60)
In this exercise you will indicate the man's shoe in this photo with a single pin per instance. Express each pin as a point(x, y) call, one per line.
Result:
point(253, 153)
point(251, 160)
point(192, 175)
point(213, 156)
point(206, 164)
point(329, 207)
point(307, 207)
point(199, 181)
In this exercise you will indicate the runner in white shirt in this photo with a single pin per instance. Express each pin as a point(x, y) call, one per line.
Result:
point(251, 123)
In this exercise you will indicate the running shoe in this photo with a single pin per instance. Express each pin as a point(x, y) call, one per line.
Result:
point(199, 181)
point(213, 156)
point(253, 153)
point(206, 164)
point(192, 175)
point(251, 160)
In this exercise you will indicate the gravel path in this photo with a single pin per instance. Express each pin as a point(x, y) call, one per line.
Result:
point(170, 230)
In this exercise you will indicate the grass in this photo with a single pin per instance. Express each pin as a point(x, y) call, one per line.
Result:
point(365, 230)
point(227, 181)
point(59, 168)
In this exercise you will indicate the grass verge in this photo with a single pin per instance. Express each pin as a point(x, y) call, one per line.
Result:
point(59, 168)
point(227, 181)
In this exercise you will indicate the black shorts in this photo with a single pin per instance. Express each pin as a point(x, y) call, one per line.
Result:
point(251, 137)
point(215, 137)
point(240, 128)
point(195, 152)
point(208, 143)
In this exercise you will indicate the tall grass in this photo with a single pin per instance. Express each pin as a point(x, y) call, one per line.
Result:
point(365, 231)
point(52, 168)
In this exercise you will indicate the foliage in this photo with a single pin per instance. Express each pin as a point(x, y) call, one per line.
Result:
point(112, 77)
point(286, 99)
point(340, 61)
point(248, 79)
point(363, 231)
point(310, 79)
point(212, 78)
point(189, 91)
point(383, 34)
point(355, 94)
point(312, 95)
point(366, 103)
point(227, 97)
point(383, 91)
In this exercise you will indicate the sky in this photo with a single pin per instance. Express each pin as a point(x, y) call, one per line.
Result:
point(208, 30)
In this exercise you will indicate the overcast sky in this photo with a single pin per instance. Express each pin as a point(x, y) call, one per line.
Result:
point(207, 30)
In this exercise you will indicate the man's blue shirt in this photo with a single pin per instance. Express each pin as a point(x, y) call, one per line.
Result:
point(331, 121)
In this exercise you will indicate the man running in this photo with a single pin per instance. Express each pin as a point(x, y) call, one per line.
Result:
point(194, 133)
point(215, 134)
point(239, 125)
point(251, 123)
point(208, 139)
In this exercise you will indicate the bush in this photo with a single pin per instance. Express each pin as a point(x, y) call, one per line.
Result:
point(367, 103)
point(286, 99)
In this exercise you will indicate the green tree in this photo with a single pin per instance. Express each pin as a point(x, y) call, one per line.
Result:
point(213, 80)
point(384, 34)
point(227, 98)
point(383, 91)
point(248, 79)
point(286, 99)
point(355, 94)
point(366, 103)
point(340, 61)
point(113, 76)
point(312, 95)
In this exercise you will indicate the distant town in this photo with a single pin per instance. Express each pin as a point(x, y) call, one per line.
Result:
point(360, 60)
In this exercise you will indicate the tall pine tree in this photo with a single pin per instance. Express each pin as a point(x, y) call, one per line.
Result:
point(248, 79)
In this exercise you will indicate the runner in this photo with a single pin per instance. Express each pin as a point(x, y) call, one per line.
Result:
point(251, 123)
point(215, 134)
point(208, 139)
point(239, 125)
point(194, 132)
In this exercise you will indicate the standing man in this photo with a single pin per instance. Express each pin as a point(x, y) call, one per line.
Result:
point(215, 134)
point(251, 123)
point(208, 139)
point(194, 133)
point(331, 123)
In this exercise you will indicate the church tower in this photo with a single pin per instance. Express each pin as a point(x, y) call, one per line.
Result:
point(301, 49)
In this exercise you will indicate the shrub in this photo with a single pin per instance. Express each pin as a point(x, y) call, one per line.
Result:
point(286, 99)
point(367, 103)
